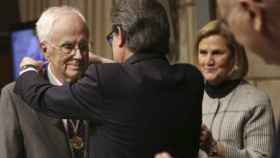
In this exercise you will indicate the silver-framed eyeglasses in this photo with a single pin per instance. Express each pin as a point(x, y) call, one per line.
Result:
point(69, 47)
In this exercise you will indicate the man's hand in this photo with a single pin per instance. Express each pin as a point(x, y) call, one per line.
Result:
point(27, 61)
point(205, 136)
point(207, 142)
point(163, 155)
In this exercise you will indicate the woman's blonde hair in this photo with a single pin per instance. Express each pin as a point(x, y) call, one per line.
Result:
point(240, 61)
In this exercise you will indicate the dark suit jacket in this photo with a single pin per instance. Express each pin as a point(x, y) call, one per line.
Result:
point(140, 107)
point(276, 144)
point(25, 133)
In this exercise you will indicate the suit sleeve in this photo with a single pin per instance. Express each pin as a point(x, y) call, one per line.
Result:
point(11, 141)
point(196, 114)
point(258, 135)
point(79, 100)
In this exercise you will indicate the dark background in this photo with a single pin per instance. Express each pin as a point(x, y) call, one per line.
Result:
point(9, 15)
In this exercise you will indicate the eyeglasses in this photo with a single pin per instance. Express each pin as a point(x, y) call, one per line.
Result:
point(109, 37)
point(68, 48)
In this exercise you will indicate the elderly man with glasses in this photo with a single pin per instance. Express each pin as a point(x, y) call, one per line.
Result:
point(141, 105)
point(64, 39)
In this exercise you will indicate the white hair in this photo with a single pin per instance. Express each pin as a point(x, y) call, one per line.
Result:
point(48, 18)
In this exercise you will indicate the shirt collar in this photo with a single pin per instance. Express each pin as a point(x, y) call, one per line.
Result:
point(53, 80)
point(137, 57)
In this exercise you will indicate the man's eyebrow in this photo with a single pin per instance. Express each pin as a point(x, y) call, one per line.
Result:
point(67, 42)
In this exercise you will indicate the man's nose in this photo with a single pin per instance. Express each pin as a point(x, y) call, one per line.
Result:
point(77, 53)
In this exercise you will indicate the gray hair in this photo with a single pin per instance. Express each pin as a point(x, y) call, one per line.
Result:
point(145, 24)
point(48, 18)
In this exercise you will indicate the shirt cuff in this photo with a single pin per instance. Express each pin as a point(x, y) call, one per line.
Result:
point(27, 69)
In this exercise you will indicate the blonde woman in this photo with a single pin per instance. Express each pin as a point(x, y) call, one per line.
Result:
point(237, 117)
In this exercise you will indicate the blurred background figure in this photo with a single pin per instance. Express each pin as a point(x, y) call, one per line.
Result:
point(256, 25)
point(237, 118)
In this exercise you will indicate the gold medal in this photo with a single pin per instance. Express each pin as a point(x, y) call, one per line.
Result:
point(77, 143)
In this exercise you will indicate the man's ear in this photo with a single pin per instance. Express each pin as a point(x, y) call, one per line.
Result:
point(45, 49)
point(120, 37)
point(253, 8)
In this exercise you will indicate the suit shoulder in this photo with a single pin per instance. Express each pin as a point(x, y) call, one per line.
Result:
point(9, 99)
point(254, 95)
point(190, 71)
point(189, 68)
point(8, 89)
point(8, 94)
point(107, 68)
point(104, 73)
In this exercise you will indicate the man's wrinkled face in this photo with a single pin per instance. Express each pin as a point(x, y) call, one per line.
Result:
point(68, 49)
